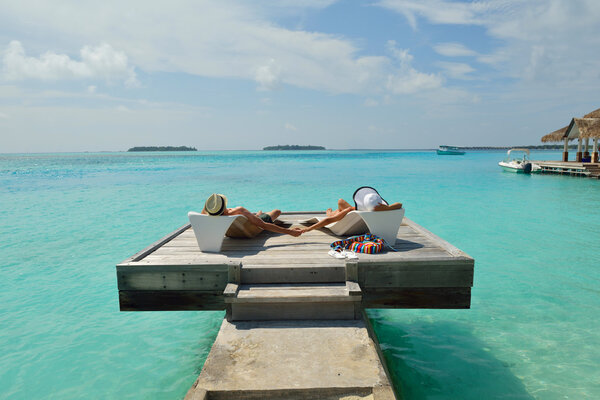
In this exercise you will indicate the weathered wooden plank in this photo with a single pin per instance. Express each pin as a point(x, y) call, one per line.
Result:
point(442, 298)
point(275, 259)
point(160, 242)
point(318, 235)
point(180, 279)
point(324, 233)
point(313, 243)
point(313, 249)
point(408, 256)
point(352, 270)
point(439, 241)
point(299, 273)
point(353, 288)
point(293, 248)
point(234, 273)
point(231, 290)
point(417, 278)
point(205, 264)
point(456, 263)
point(170, 300)
point(297, 257)
point(294, 293)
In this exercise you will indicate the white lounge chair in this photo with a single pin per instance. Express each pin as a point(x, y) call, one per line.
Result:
point(384, 224)
point(210, 230)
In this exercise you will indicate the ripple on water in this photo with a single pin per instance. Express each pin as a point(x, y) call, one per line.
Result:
point(532, 331)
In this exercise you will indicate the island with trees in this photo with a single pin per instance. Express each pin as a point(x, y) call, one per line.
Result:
point(293, 147)
point(162, 148)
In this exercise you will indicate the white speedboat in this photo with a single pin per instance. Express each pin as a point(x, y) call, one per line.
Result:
point(520, 163)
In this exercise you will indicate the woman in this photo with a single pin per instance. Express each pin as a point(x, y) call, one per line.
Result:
point(365, 199)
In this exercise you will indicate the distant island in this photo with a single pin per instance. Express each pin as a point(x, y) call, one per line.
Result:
point(162, 148)
point(293, 147)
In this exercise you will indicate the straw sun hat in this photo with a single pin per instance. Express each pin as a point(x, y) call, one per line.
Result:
point(215, 204)
point(367, 198)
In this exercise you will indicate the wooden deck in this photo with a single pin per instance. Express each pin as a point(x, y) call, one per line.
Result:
point(590, 170)
point(173, 274)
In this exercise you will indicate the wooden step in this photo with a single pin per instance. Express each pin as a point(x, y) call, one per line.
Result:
point(262, 302)
point(293, 273)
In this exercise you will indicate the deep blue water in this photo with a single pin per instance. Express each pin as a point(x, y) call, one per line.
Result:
point(67, 219)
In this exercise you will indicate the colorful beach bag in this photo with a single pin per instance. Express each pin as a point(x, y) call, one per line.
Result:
point(369, 244)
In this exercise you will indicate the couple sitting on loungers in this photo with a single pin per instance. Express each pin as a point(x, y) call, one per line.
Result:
point(365, 198)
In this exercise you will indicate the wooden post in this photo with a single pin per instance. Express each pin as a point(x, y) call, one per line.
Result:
point(595, 151)
point(234, 272)
point(586, 149)
point(352, 270)
point(566, 150)
point(579, 152)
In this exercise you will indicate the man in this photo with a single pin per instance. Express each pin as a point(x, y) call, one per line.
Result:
point(216, 205)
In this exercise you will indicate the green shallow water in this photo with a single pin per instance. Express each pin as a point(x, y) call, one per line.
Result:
point(67, 219)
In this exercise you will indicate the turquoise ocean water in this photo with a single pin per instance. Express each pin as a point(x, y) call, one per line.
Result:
point(533, 331)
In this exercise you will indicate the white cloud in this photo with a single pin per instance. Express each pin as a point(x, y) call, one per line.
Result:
point(453, 50)
point(456, 70)
point(407, 79)
point(290, 127)
point(441, 11)
point(267, 76)
point(3, 115)
point(91, 89)
point(122, 108)
point(100, 62)
point(548, 42)
point(230, 39)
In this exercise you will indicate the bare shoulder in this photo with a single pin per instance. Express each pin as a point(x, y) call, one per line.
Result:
point(237, 211)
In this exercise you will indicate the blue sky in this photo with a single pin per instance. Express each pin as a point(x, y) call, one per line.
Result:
point(94, 76)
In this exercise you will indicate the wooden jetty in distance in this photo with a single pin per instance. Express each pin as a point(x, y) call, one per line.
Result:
point(295, 325)
point(590, 170)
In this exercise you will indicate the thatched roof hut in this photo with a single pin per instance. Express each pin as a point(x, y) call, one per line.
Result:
point(556, 136)
point(584, 128)
point(593, 114)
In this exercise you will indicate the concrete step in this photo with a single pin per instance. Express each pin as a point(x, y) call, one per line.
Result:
point(264, 302)
point(293, 273)
point(293, 360)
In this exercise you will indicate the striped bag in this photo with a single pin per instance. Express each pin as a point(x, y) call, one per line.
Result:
point(368, 243)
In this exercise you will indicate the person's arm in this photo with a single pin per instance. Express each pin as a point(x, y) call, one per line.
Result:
point(385, 207)
point(265, 225)
point(328, 220)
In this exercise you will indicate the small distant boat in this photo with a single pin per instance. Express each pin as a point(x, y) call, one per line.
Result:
point(450, 150)
point(520, 164)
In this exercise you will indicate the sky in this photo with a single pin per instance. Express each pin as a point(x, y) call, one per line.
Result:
point(234, 75)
